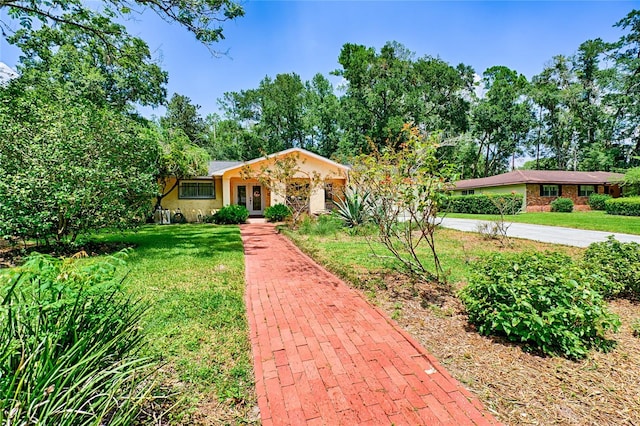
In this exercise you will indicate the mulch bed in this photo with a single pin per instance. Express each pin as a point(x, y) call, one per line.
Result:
point(522, 388)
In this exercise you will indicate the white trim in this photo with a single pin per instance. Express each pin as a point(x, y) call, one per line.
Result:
point(277, 154)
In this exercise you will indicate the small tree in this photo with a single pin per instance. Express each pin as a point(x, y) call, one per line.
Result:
point(407, 189)
point(287, 179)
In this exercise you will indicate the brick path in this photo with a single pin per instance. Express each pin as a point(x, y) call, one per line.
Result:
point(325, 356)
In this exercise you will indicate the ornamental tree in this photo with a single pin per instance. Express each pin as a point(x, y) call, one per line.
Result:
point(407, 189)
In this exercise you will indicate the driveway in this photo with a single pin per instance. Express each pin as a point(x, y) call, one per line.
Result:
point(546, 234)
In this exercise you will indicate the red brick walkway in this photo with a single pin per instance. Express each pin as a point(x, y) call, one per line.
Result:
point(325, 356)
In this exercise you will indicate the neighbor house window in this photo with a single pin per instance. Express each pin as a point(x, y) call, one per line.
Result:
point(468, 191)
point(197, 190)
point(550, 190)
point(586, 190)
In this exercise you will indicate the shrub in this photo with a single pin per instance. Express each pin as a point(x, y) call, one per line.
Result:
point(627, 206)
point(323, 225)
point(596, 201)
point(69, 345)
point(619, 262)
point(562, 205)
point(541, 299)
point(277, 213)
point(485, 204)
point(352, 208)
point(231, 215)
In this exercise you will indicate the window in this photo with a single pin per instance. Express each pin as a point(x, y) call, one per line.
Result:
point(468, 191)
point(586, 190)
point(328, 192)
point(550, 190)
point(197, 190)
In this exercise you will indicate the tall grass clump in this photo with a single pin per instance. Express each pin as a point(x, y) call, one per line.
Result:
point(69, 345)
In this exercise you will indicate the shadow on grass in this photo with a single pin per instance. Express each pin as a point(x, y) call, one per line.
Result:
point(202, 241)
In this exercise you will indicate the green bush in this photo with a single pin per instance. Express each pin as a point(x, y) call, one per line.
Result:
point(619, 262)
point(626, 206)
point(543, 300)
point(231, 215)
point(562, 205)
point(596, 201)
point(485, 203)
point(69, 345)
point(323, 225)
point(277, 213)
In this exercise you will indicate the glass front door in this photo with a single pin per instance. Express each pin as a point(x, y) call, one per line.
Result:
point(250, 196)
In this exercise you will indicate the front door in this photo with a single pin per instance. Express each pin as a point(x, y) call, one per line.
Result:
point(252, 197)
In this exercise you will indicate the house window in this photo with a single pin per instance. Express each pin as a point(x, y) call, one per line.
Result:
point(550, 190)
point(468, 191)
point(586, 190)
point(328, 192)
point(197, 190)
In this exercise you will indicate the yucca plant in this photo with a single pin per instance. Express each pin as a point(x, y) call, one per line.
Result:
point(70, 345)
point(352, 208)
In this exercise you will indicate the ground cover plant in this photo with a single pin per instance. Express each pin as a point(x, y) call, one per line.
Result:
point(519, 387)
point(593, 220)
point(71, 346)
point(192, 278)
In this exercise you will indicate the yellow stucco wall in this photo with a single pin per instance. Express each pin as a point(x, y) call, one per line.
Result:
point(189, 207)
point(309, 166)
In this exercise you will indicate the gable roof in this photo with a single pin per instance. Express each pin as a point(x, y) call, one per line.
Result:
point(517, 177)
point(231, 165)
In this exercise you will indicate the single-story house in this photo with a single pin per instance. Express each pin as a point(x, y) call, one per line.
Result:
point(225, 184)
point(540, 187)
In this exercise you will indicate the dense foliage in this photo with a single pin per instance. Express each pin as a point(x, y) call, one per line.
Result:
point(485, 203)
point(69, 166)
point(70, 345)
point(277, 212)
point(231, 215)
point(562, 205)
point(620, 263)
point(542, 300)
point(597, 201)
point(626, 206)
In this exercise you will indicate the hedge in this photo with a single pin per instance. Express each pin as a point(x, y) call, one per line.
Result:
point(485, 203)
point(626, 206)
point(596, 201)
point(562, 205)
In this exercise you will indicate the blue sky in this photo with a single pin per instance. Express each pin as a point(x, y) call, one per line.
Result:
point(305, 37)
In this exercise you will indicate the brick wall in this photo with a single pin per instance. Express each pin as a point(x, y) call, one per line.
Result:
point(536, 203)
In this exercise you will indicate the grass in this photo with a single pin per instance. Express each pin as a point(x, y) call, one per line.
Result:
point(192, 276)
point(592, 220)
point(351, 256)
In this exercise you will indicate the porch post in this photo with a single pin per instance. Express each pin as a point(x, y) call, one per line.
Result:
point(226, 192)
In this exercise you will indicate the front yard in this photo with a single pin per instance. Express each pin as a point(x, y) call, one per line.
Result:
point(593, 220)
point(519, 387)
point(193, 278)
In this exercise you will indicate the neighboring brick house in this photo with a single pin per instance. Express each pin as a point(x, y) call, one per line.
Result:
point(541, 187)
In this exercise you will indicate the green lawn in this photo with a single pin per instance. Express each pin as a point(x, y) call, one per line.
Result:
point(366, 263)
point(192, 276)
point(593, 220)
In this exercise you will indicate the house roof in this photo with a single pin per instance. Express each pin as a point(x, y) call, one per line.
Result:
point(517, 177)
point(236, 164)
point(215, 166)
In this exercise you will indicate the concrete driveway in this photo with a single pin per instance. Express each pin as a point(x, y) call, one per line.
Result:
point(546, 234)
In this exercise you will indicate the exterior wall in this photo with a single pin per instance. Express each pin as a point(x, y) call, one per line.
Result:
point(536, 203)
point(310, 166)
point(189, 207)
